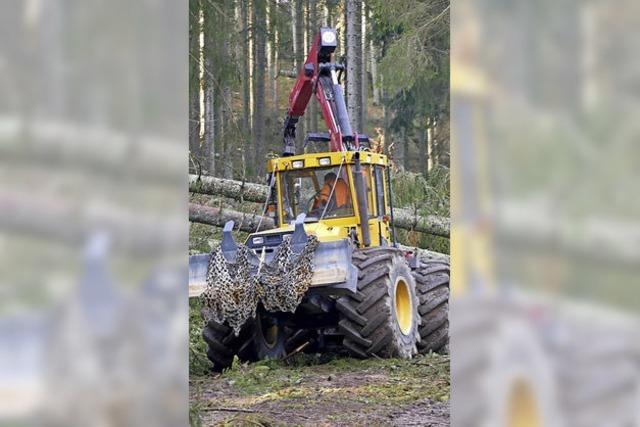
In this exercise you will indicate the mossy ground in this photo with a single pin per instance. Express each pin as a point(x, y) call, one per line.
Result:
point(304, 391)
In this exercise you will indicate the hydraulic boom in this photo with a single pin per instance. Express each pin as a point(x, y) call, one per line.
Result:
point(320, 75)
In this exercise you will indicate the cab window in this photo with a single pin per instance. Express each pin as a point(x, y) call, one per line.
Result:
point(320, 193)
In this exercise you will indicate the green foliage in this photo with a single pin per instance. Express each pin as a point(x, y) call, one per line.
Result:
point(414, 35)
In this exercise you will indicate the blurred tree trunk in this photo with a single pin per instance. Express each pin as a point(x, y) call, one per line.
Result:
point(422, 147)
point(299, 57)
point(406, 141)
point(314, 28)
point(342, 22)
point(373, 66)
point(194, 78)
point(328, 13)
point(364, 80)
point(259, 20)
point(430, 151)
point(399, 147)
point(227, 115)
point(218, 94)
point(209, 90)
point(273, 53)
point(244, 43)
point(307, 43)
point(354, 63)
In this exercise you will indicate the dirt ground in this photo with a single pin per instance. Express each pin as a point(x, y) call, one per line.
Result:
point(341, 392)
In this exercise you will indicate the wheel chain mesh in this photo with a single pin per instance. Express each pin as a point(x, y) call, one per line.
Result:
point(234, 289)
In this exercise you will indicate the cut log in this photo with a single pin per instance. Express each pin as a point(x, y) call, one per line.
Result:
point(218, 217)
point(236, 190)
point(430, 224)
point(250, 192)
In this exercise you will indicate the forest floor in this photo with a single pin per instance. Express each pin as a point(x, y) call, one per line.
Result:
point(339, 392)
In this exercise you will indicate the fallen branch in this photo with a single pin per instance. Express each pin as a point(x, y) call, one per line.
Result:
point(403, 218)
point(248, 411)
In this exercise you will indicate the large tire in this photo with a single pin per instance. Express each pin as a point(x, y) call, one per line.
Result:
point(432, 287)
point(264, 337)
point(381, 318)
point(224, 344)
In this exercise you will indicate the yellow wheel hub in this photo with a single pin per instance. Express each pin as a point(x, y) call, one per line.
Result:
point(523, 407)
point(404, 307)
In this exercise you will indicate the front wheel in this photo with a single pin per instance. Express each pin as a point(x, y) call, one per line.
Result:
point(382, 317)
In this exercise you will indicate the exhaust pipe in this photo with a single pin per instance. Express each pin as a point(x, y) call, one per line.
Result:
point(361, 196)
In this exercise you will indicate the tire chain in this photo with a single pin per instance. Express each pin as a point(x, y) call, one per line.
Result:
point(234, 290)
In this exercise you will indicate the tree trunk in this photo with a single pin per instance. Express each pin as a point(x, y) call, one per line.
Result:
point(398, 152)
point(430, 224)
point(406, 141)
point(373, 66)
point(194, 79)
point(430, 151)
point(294, 35)
point(354, 63)
point(209, 91)
point(307, 41)
point(328, 10)
point(273, 36)
point(364, 80)
point(313, 29)
point(259, 15)
point(246, 102)
point(422, 147)
point(238, 190)
point(300, 56)
point(218, 217)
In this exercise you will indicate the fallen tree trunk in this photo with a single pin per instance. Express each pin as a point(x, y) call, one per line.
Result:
point(430, 224)
point(237, 190)
point(249, 223)
point(246, 191)
point(218, 217)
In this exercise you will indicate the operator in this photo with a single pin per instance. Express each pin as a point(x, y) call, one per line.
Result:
point(340, 194)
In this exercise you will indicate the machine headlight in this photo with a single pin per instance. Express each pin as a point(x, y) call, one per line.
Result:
point(258, 240)
point(297, 164)
point(324, 161)
point(328, 37)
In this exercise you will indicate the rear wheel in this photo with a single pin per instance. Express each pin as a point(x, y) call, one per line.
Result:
point(265, 337)
point(381, 318)
point(432, 287)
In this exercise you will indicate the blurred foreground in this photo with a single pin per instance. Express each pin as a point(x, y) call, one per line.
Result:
point(93, 230)
point(546, 236)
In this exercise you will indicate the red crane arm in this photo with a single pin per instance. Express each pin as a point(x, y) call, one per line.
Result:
point(319, 73)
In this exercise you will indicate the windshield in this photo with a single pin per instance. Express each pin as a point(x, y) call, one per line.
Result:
point(316, 192)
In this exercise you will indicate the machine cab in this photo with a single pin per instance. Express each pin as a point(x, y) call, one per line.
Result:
point(323, 187)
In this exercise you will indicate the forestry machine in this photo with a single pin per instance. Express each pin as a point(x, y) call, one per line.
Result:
point(330, 275)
